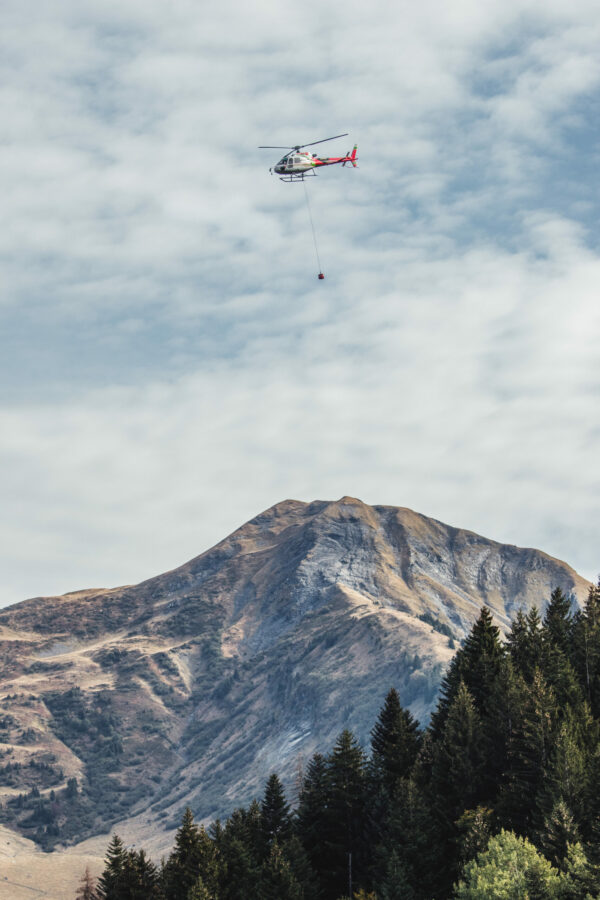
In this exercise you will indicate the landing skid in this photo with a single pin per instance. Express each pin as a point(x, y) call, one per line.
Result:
point(299, 176)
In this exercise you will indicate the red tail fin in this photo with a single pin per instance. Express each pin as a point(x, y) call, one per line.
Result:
point(351, 157)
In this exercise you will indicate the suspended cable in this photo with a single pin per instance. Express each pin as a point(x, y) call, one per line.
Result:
point(312, 225)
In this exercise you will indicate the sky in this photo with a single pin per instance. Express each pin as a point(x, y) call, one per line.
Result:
point(170, 365)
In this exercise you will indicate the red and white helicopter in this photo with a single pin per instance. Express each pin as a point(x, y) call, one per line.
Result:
point(295, 166)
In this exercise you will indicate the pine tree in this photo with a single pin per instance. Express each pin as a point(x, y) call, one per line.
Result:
point(528, 757)
point(395, 884)
point(240, 847)
point(565, 775)
point(199, 891)
point(311, 815)
point(109, 882)
point(558, 832)
point(87, 887)
point(474, 830)
point(275, 813)
point(239, 872)
point(277, 880)
point(208, 862)
point(408, 835)
point(591, 818)
point(517, 642)
point(345, 815)
point(300, 866)
point(395, 742)
point(525, 643)
point(580, 877)
point(245, 825)
point(130, 884)
point(458, 759)
point(148, 877)
point(558, 622)
point(476, 664)
point(181, 869)
point(586, 649)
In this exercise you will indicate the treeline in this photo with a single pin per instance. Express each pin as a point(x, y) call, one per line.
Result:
point(498, 797)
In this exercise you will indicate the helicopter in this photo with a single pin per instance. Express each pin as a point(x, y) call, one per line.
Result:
point(299, 163)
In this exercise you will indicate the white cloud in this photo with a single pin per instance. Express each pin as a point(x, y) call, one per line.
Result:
point(174, 366)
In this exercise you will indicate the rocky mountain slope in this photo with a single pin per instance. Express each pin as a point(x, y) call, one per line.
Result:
point(191, 687)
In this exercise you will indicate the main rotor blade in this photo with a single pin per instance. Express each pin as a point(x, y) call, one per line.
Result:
point(312, 143)
point(300, 146)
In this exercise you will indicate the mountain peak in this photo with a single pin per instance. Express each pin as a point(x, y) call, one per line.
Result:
point(302, 619)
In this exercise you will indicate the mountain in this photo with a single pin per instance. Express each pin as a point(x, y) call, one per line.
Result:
point(192, 687)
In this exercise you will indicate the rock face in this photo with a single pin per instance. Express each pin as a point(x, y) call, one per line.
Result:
point(192, 687)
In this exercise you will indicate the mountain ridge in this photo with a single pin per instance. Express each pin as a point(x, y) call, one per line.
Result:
point(193, 685)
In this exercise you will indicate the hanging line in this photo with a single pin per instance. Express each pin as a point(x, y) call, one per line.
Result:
point(312, 224)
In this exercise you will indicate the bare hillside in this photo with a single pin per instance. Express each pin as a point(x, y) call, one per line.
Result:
point(124, 705)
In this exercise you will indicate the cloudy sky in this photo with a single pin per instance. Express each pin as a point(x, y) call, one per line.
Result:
point(170, 364)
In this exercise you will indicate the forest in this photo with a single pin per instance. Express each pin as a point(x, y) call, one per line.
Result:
point(498, 797)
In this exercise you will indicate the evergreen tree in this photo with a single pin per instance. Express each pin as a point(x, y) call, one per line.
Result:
point(395, 884)
point(565, 774)
point(109, 882)
point(525, 643)
point(312, 813)
point(240, 846)
point(528, 757)
point(580, 878)
point(130, 887)
point(558, 622)
point(240, 870)
point(456, 775)
point(246, 825)
point(586, 649)
point(345, 815)
point(300, 866)
point(277, 880)
point(408, 840)
point(476, 664)
point(591, 817)
point(517, 642)
point(209, 869)
point(148, 877)
point(558, 832)
point(180, 872)
point(395, 742)
point(474, 830)
point(199, 891)
point(275, 813)
point(456, 779)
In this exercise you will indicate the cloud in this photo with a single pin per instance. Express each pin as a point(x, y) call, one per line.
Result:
point(171, 365)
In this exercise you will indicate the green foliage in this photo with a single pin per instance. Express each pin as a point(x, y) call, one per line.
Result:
point(275, 813)
point(395, 742)
point(510, 869)
point(344, 818)
point(312, 812)
point(277, 881)
point(456, 774)
point(183, 866)
point(109, 887)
